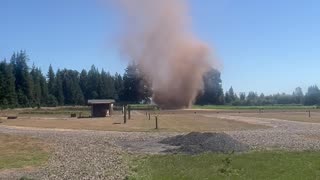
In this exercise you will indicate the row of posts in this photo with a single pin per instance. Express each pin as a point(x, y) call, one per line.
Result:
point(308, 111)
point(127, 110)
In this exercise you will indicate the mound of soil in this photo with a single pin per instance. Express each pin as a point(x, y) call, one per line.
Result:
point(195, 143)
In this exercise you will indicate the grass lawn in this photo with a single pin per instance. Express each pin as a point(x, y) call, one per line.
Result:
point(276, 107)
point(20, 152)
point(290, 116)
point(253, 165)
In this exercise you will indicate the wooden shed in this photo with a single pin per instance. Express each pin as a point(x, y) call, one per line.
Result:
point(101, 107)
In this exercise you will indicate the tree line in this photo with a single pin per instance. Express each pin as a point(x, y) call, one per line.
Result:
point(310, 98)
point(24, 86)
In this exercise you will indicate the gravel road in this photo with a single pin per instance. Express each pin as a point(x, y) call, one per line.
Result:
point(101, 155)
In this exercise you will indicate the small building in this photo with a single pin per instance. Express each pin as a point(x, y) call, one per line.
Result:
point(101, 107)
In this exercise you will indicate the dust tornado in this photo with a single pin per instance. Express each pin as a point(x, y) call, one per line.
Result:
point(157, 35)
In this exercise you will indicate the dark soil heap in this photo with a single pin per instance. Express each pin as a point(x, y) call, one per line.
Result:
point(195, 143)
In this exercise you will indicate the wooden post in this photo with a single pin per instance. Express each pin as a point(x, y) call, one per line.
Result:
point(124, 114)
point(156, 122)
point(309, 113)
point(129, 112)
point(149, 117)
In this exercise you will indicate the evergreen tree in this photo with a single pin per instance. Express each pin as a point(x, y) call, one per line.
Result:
point(84, 84)
point(36, 78)
point(93, 83)
point(51, 80)
point(227, 98)
point(242, 96)
point(232, 94)
point(44, 90)
point(131, 84)
point(3, 100)
point(71, 89)
point(298, 95)
point(312, 96)
point(106, 86)
point(213, 92)
point(23, 83)
point(252, 98)
point(118, 85)
point(59, 88)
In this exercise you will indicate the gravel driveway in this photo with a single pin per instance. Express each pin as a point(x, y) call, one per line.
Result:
point(101, 155)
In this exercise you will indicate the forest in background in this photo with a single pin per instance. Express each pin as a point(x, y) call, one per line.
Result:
point(24, 86)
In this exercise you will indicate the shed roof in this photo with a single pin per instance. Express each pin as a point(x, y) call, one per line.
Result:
point(101, 101)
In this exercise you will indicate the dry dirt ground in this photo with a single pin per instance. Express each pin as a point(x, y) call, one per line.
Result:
point(92, 154)
point(302, 116)
point(168, 121)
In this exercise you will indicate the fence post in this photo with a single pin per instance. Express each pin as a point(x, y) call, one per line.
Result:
point(124, 114)
point(129, 112)
point(156, 122)
point(309, 113)
point(149, 116)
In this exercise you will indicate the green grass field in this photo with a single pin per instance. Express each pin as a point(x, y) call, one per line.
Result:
point(20, 152)
point(276, 107)
point(253, 165)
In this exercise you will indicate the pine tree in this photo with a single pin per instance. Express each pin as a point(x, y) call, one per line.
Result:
point(118, 85)
point(51, 80)
point(71, 89)
point(106, 86)
point(227, 98)
point(44, 90)
point(23, 81)
point(93, 83)
point(298, 95)
point(212, 92)
point(58, 88)
point(131, 84)
point(11, 95)
point(36, 78)
point(2, 84)
point(312, 96)
point(232, 94)
point(84, 84)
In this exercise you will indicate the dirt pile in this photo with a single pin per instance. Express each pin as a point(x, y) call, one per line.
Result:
point(195, 143)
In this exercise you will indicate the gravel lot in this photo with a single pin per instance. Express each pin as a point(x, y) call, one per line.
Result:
point(197, 143)
point(290, 135)
point(83, 155)
point(101, 155)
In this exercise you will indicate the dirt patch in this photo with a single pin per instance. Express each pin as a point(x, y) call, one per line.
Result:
point(139, 122)
point(195, 143)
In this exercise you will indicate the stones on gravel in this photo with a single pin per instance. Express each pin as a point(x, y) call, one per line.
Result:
point(195, 143)
point(83, 155)
point(99, 155)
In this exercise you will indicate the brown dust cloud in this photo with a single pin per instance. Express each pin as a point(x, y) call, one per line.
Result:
point(157, 35)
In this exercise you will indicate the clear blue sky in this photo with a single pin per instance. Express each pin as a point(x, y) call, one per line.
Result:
point(265, 46)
